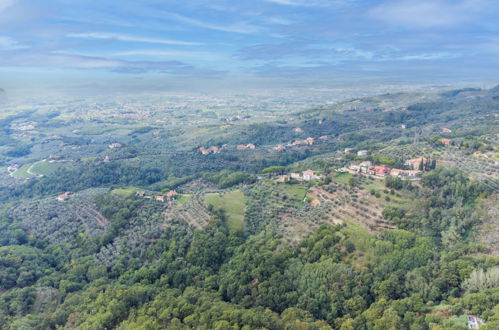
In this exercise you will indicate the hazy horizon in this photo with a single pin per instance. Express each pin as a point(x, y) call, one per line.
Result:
point(212, 46)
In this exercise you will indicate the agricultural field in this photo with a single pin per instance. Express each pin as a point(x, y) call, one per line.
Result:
point(233, 203)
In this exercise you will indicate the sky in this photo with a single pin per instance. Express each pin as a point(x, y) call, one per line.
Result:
point(156, 44)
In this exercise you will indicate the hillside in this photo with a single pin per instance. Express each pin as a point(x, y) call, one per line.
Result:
point(375, 213)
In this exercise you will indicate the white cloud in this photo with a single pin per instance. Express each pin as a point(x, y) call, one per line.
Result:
point(171, 53)
point(123, 37)
point(428, 13)
point(242, 28)
point(7, 43)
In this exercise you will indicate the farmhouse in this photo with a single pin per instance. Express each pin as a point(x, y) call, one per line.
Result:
point(214, 149)
point(283, 178)
point(309, 175)
point(405, 173)
point(250, 146)
point(415, 163)
point(362, 153)
point(310, 140)
point(171, 194)
point(203, 150)
point(63, 197)
point(446, 142)
point(279, 147)
point(382, 170)
point(114, 145)
point(159, 198)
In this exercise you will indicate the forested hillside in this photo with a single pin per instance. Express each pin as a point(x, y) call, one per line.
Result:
point(151, 233)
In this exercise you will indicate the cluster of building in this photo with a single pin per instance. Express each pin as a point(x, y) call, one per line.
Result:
point(308, 141)
point(360, 153)
point(169, 196)
point(417, 167)
point(114, 145)
point(249, 146)
point(211, 150)
point(307, 175)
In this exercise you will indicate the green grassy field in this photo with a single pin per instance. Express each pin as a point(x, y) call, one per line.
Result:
point(184, 198)
point(22, 173)
point(45, 168)
point(233, 203)
point(125, 192)
point(342, 177)
point(297, 191)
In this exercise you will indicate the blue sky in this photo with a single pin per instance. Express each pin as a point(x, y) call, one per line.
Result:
point(318, 41)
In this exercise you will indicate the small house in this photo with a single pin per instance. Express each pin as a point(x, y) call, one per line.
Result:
point(283, 178)
point(63, 197)
point(446, 142)
point(114, 145)
point(362, 153)
point(159, 198)
point(279, 147)
point(415, 163)
point(203, 150)
point(309, 175)
point(381, 170)
point(310, 140)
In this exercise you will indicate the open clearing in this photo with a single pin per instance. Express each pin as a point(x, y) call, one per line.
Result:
point(125, 192)
point(233, 203)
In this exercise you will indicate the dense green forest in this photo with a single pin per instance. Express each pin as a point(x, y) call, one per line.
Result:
point(219, 279)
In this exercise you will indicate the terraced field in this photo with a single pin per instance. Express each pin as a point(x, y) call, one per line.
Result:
point(357, 206)
point(192, 212)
